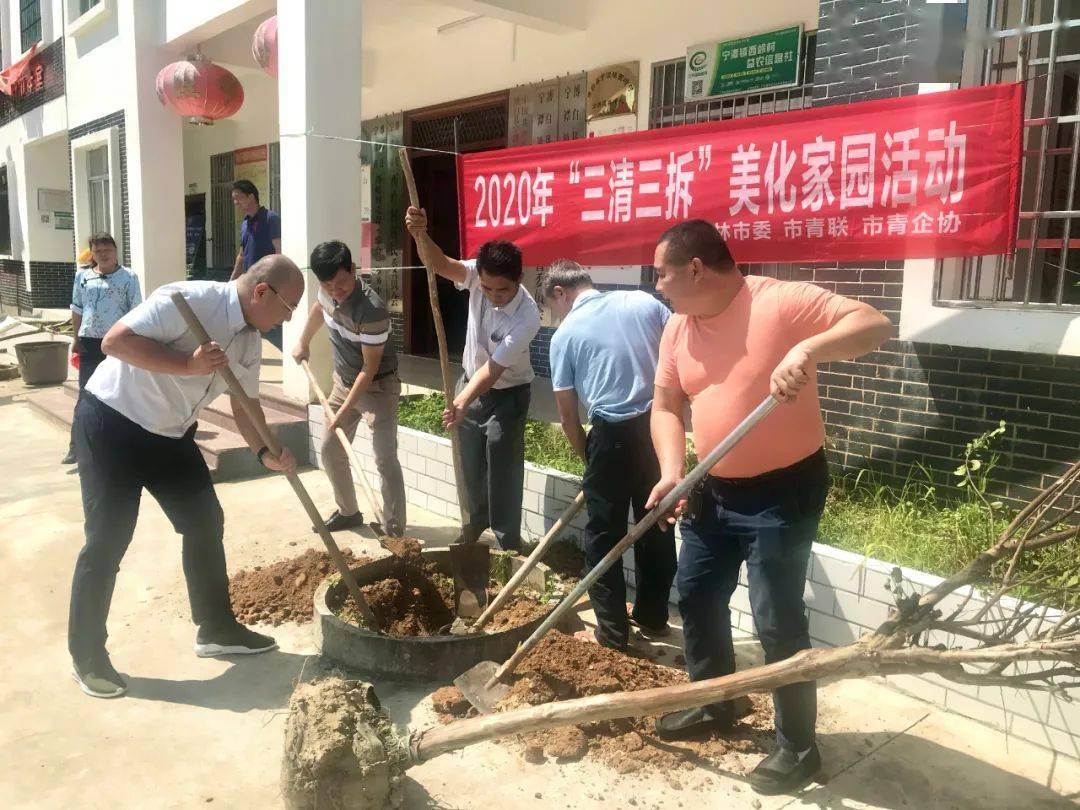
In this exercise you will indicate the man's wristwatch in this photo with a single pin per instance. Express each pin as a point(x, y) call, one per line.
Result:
point(262, 451)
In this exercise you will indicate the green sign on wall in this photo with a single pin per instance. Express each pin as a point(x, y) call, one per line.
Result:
point(767, 61)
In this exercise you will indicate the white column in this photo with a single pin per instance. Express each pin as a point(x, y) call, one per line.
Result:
point(155, 157)
point(318, 95)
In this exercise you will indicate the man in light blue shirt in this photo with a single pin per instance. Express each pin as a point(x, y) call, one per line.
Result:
point(604, 354)
point(103, 293)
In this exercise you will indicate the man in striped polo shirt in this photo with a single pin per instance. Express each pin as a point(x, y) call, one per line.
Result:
point(366, 384)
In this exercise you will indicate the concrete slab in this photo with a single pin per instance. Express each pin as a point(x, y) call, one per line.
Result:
point(196, 732)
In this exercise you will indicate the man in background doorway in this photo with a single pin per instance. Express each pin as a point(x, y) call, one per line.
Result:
point(260, 235)
point(492, 401)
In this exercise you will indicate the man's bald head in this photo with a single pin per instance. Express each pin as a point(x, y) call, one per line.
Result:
point(270, 291)
point(280, 272)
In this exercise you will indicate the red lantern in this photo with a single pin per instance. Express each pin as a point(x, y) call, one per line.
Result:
point(199, 90)
point(264, 46)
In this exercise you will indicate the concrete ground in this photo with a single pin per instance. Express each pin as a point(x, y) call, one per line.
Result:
point(195, 732)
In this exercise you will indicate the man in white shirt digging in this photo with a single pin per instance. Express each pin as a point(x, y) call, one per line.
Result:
point(134, 429)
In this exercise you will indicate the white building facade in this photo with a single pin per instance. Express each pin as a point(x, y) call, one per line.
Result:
point(86, 145)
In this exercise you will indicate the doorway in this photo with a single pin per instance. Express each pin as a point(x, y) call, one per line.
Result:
point(473, 125)
point(195, 235)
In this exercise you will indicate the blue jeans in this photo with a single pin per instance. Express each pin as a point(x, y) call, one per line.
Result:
point(769, 522)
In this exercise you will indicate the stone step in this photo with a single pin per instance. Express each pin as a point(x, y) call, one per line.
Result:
point(226, 453)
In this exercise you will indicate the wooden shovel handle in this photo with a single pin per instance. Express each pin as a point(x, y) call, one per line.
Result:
point(444, 358)
point(538, 554)
point(270, 440)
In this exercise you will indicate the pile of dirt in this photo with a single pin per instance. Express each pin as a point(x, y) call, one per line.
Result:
point(562, 667)
point(416, 600)
point(284, 591)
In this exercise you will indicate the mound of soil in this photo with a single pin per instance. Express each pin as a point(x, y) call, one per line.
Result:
point(417, 600)
point(284, 591)
point(562, 667)
point(341, 749)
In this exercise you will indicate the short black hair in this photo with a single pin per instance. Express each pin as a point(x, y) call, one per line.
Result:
point(697, 239)
point(329, 258)
point(246, 187)
point(499, 258)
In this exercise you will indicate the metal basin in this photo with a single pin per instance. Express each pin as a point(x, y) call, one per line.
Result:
point(431, 658)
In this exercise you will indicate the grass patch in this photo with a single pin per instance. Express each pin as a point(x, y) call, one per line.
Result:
point(913, 526)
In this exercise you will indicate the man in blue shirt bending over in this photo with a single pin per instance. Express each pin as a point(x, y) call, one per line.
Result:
point(604, 354)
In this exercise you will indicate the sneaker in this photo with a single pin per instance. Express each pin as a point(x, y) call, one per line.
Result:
point(650, 632)
point(338, 522)
point(693, 723)
point(69, 458)
point(98, 678)
point(785, 771)
point(234, 639)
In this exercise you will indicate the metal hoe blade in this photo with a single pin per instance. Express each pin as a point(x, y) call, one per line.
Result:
point(473, 684)
point(471, 566)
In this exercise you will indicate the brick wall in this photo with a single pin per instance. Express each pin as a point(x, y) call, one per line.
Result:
point(50, 284)
point(917, 403)
point(115, 119)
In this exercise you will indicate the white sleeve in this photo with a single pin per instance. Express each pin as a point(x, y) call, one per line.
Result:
point(472, 277)
point(247, 370)
point(517, 340)
point(156, 318)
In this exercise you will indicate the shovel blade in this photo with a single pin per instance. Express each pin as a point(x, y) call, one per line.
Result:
point(471, 566)
point(473, 684)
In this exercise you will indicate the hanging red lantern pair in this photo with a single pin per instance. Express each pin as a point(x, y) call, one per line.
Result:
point(199, 90)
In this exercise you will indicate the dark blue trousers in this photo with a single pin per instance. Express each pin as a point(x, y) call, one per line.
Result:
point(620, 472)
point(769, 522)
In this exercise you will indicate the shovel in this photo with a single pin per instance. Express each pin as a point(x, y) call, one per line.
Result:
point(271, 442)
point(482, 684)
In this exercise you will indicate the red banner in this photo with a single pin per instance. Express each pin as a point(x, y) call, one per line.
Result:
point(923, 176)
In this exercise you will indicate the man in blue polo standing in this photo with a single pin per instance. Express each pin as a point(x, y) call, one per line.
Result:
point(260, 235)
point(604, 355)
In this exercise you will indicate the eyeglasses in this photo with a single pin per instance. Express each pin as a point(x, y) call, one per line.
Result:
point(284, 303)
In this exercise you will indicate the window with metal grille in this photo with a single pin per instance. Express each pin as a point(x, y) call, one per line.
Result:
point(97, 180)
point(30, 22)
point(474, 127)
point(275, 177)
point(1036, 42)
point(223, 222)
point(668, 107)
point(5, 215)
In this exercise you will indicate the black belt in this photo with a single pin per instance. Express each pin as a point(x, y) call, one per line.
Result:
point(813, 460)
point(378, 377)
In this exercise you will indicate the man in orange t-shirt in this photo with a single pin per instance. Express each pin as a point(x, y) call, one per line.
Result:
point(732, 342)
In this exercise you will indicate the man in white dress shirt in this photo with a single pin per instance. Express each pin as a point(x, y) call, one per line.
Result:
point(492, 400)
point(135, 429)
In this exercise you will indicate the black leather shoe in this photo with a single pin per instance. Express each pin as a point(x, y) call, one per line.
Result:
point(691, 723)
point(784, 771)
point(663, 631)
point(338, 522)
point(69, 458)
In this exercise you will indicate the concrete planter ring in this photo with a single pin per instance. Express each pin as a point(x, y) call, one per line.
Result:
point(431, 658)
